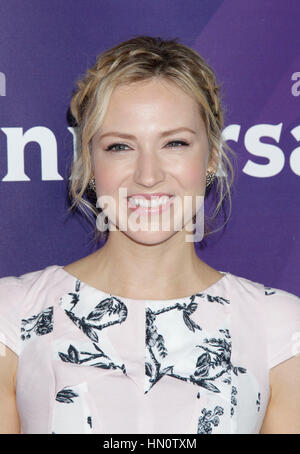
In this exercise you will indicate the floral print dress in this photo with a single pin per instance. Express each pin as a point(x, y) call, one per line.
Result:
point(92, 362)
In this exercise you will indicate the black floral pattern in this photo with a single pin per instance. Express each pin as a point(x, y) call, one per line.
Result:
point(89, 421)
point(107, 312)
point(233, 400)
point(216, 351)
point(207, 365)
point(209, 419)
point(214, 299)
point(258, 401)
point(71, 411)
point(66, 395)
point(39, 324)
point(269, 291)
point(76, 357)
point(154, 339)
point(112, 308)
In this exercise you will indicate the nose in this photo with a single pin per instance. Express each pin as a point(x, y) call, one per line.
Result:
point(148, 169)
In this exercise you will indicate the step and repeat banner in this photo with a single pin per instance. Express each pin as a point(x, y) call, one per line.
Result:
point(254, 48)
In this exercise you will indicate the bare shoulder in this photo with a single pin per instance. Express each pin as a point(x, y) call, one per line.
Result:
point(283, 412)
point(9, 361)
point(9, 418)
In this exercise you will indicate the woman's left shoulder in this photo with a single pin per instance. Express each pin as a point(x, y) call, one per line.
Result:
point(275, 310)
point(270, 296)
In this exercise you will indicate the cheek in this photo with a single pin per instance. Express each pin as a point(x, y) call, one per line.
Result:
point(192, 174)
point(108, 180)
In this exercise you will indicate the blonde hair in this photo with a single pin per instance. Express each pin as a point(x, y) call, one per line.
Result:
point(139, 59)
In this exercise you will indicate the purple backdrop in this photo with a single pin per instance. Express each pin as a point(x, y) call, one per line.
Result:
point(254, 49)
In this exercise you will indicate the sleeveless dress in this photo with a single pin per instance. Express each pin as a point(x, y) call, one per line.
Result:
point(92, 362)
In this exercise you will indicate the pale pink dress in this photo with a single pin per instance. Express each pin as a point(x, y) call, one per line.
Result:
point(92, 362)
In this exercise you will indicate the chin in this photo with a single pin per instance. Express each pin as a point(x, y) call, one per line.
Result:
point(149, 238)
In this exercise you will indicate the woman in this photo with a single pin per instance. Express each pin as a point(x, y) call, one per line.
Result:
point(142, 336)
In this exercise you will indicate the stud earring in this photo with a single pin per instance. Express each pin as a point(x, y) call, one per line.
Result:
point(210, 178)
point(92, 184)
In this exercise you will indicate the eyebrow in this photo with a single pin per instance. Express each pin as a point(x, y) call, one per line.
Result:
point(130, 136)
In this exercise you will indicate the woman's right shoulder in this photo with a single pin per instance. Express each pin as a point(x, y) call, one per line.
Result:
point(25, 295)
point(41, 277)
point(18, 281)
point(19, 284)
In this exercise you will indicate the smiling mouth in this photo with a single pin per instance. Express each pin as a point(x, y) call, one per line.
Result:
point(154, 205)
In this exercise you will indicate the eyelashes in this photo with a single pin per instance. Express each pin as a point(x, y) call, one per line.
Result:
point(110, 147)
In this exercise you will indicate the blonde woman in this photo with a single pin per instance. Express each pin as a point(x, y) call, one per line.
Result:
point(142, 336)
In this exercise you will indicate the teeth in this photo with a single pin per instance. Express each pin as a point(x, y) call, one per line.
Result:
point(149, 203)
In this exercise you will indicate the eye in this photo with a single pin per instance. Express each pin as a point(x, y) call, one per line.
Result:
point(185, 144)
point(110, 147)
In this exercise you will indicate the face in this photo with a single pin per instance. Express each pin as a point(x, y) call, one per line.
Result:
point(135, 150)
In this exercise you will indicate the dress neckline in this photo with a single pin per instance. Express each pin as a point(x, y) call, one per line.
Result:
point(212, 287)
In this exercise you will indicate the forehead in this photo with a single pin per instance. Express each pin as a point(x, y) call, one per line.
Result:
point(152, 97)
point(151, 90)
